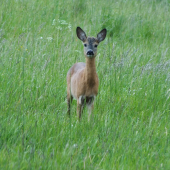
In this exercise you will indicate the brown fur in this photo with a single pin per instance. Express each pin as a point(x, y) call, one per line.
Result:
point(82, 79)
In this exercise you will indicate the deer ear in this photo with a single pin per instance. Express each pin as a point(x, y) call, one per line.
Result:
point(101, 35)
point(81, 34)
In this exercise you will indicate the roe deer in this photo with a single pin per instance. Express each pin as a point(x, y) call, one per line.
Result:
point(82, 79)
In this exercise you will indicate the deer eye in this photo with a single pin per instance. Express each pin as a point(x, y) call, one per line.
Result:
point(95, 46)
point(85, 45)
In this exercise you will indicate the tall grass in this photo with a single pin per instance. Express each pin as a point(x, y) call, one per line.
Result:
point(38, 45)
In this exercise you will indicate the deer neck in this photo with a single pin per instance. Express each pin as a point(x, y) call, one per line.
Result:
point(90, 70)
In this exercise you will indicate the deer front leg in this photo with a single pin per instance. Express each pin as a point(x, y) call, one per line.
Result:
point(80, 105)
point(69, 100)
point(79, 110)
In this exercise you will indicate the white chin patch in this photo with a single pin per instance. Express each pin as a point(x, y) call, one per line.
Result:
point(90, 56)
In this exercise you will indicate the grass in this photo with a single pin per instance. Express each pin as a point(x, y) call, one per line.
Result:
point(38, 45)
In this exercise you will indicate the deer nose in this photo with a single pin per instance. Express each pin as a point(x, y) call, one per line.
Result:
point(90, 52)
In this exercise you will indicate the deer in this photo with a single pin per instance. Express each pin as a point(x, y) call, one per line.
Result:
point(82, 79)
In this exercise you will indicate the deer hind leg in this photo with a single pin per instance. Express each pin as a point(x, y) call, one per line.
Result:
point(90, 109)
point(90, 105)
point(69, 100)
point(80, 106)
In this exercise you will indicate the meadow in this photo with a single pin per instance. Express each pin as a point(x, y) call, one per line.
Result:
point(38, 44)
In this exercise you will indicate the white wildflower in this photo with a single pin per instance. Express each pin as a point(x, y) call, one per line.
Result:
point(49, 38)
point(53, 22)
point(75, 145)
point(69, 27)
point(59, 28)
point(63, 22)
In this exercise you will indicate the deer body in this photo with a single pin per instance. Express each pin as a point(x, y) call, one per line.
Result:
point(82, 79)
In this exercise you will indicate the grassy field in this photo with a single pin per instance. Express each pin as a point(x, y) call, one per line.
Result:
point(38, 44)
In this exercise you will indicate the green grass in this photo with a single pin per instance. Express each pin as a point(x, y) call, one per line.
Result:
point(38, 44)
